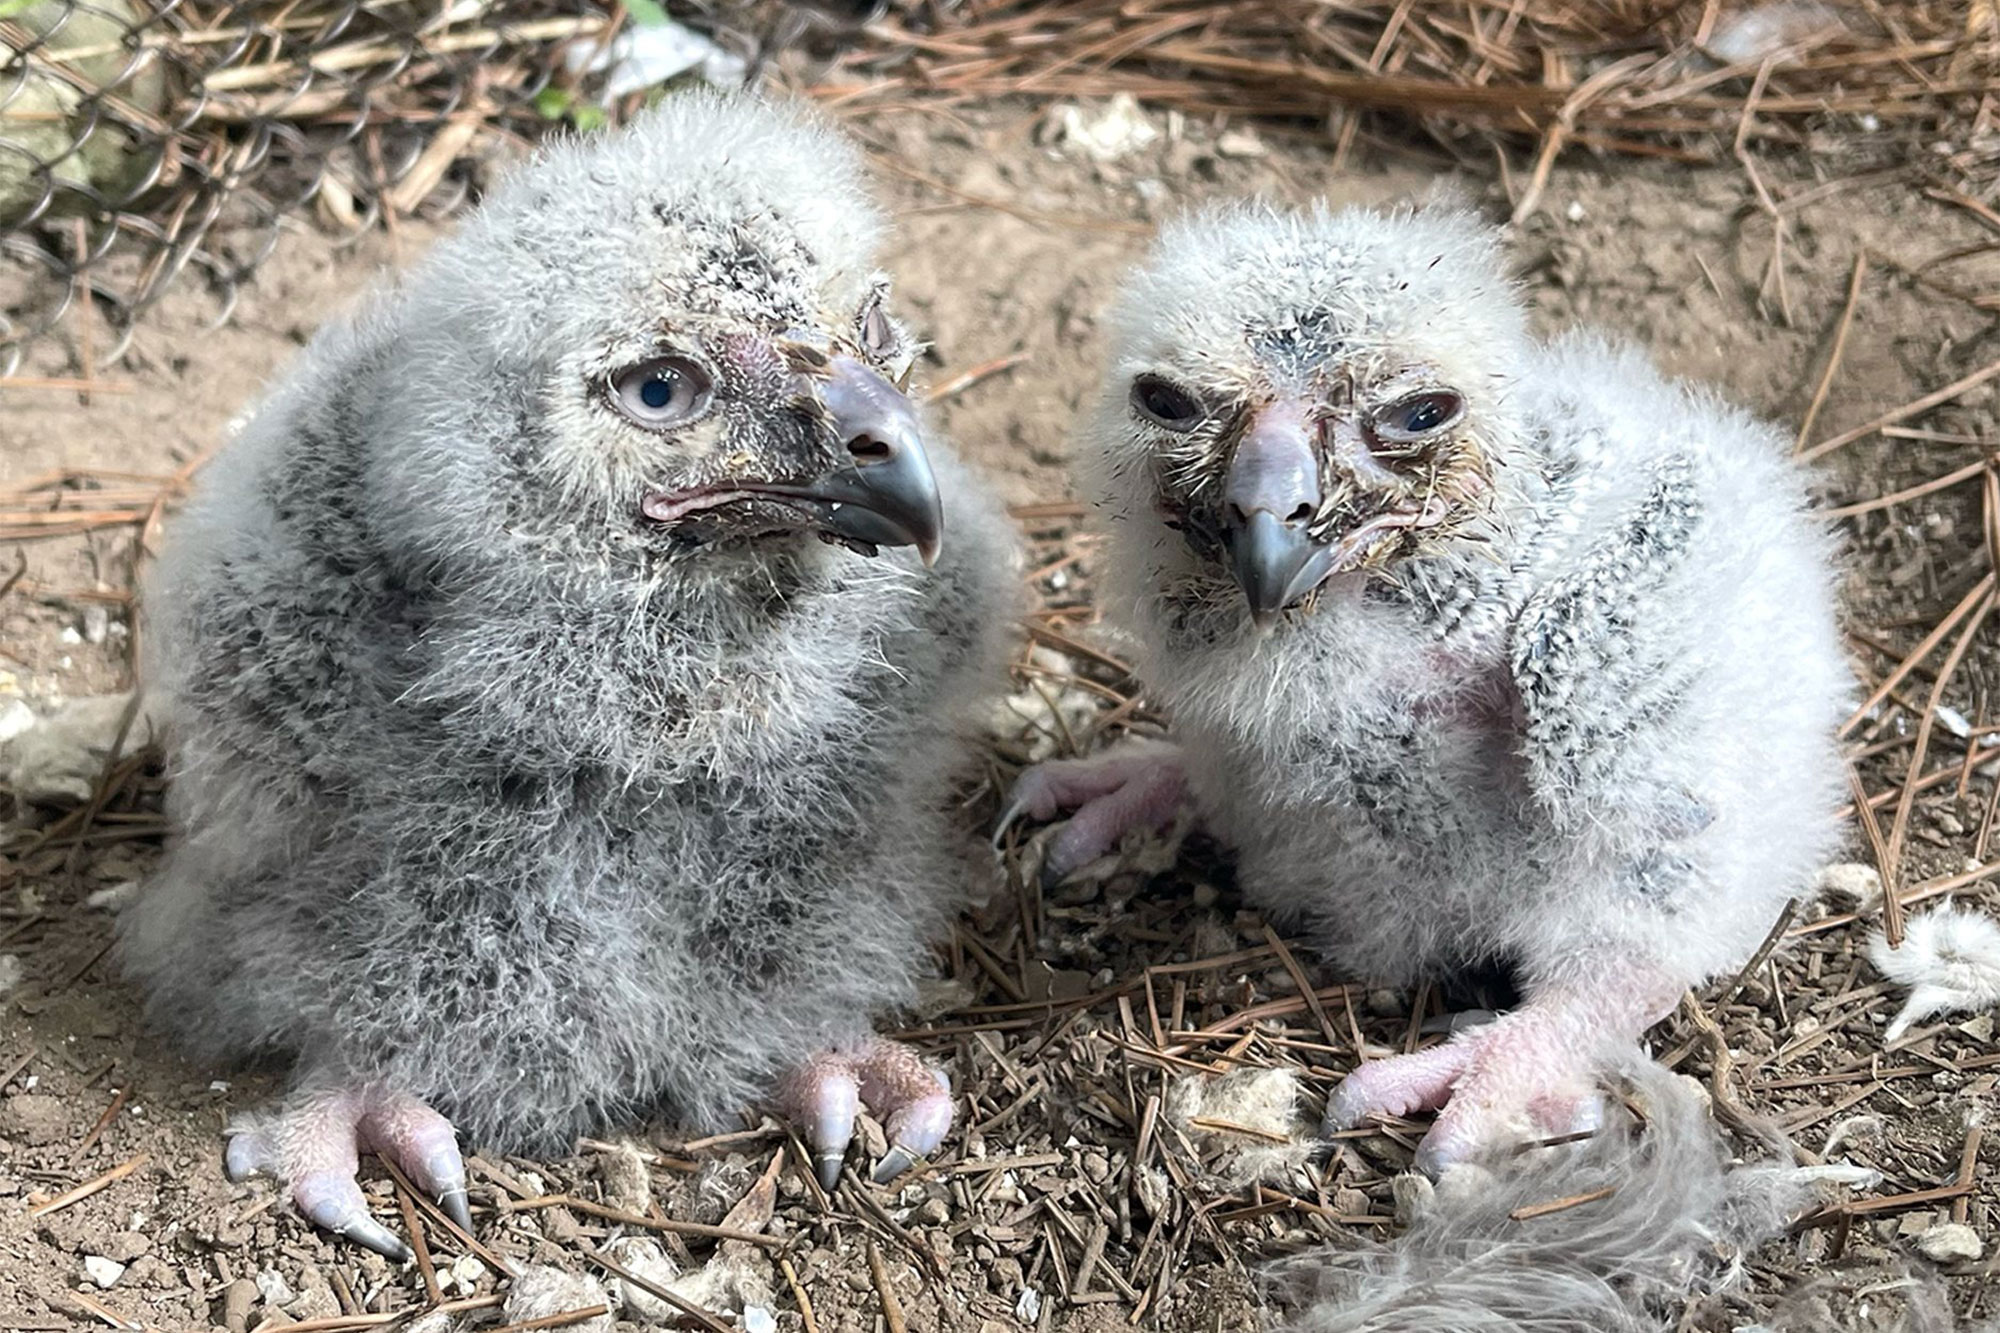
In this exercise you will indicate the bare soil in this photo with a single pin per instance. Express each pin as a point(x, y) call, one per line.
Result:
point(1071, 1198)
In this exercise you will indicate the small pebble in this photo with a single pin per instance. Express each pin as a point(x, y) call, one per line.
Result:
point(1950, 1243)
point(271, 1285)
point(102, 1271)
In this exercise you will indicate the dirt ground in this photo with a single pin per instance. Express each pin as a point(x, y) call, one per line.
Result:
point(1074, 1196)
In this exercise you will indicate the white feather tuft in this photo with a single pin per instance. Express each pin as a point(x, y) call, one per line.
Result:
point(1677, 1223)
point(1950, 960)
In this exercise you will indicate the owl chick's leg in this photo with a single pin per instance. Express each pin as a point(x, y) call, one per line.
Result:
point(1526, 1074)
point(314, 1146)
point(893, 1082)
point(1136, 785)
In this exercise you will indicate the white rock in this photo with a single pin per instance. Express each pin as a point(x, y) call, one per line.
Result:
point(96, 623)
point(1029, 1308)
point(1851, 882)
point(102, 1271)
point(271, 1285)
point(1119, 130)
point(1575, 211)
point(757, 1319)
point(11, 971)
point(115, 898)
point(15, 718)
point(466, 1272)
point(1950, 1242)
point(1240, 143)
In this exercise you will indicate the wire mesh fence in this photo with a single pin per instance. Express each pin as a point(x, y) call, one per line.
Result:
point(145, 143)
point(148, 142)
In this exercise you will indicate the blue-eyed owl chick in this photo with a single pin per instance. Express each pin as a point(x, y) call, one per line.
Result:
point(565, 720)
point(1498, 653)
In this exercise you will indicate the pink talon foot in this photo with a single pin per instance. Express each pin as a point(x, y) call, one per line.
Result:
point(1139, 784)
point(314, 1146)
point(1512, 1079)
point(893, 1082)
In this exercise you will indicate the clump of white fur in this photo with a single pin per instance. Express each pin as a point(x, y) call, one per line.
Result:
point(1950, 960)
point(1677, 1224)
point(542, 1292)
point(1249, 1118)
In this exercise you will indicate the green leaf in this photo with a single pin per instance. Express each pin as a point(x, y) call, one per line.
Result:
point(550, 103)
point(645, 13)
point(587, 117)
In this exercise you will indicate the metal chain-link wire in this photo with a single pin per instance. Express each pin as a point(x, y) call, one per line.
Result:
point(148, 142)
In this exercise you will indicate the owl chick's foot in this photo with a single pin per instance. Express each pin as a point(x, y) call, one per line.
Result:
point(1140, 784)
point(1523, 1075)
point(314, 1147)
point(893, 1082)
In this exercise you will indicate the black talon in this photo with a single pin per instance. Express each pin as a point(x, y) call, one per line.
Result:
point(826, 1165)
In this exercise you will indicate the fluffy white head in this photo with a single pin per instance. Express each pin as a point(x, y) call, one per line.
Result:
point(1356, 364)
point(646, 312)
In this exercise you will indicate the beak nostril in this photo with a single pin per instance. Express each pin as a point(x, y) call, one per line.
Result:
point(1299, 515)
point(868, 449)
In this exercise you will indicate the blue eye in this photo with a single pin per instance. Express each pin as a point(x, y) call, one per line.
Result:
point(665, 391)
point(1417, 417)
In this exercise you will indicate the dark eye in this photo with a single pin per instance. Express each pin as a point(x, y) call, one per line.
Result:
point(666, 391)
point(1418, 416)
point(878, 335)
point(1165, 404)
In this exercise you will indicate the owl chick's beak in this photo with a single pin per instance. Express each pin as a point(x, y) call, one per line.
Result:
point(1269, 499)
point(888, 496)
point(885, 497)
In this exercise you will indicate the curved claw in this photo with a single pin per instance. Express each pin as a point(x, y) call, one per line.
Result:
point(367, 1232)
point(334, 1201)
point(894, 1163)
point(425, 1145)
point(315, 1143)
point(1015, 809)
point(826, 1094)
point(917, 1124)
point(457, 1207)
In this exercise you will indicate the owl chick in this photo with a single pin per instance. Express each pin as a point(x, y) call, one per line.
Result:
point(1500, 655)
point(564, 716)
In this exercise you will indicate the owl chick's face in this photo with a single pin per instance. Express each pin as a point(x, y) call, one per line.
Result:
point(692, 347)
point(1303, 397)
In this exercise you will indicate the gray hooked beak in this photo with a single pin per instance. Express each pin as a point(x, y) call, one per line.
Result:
point(888, 497)
point(1269, 497)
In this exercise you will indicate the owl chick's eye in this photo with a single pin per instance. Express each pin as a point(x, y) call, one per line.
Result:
point(1411, 420)
point(665, 391)
point(1165, 403)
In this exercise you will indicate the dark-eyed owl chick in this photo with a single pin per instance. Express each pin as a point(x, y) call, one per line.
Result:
point(565, 723)
point(1499, 654)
